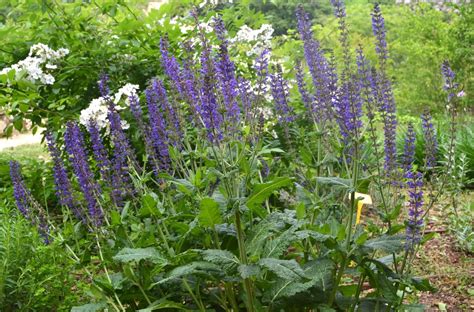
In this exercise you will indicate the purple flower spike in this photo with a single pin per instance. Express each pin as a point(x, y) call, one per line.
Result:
point(431, 142)
point(20, 192)
point(64, 190)
point(75, 147)
point(209, 109)
point(158, 131)
point(409, 149)
point(415, 211)
point(122, 157)
point(171, 66)
point(26, 203)
point(305, 96)
point(378, 28)
point(280, 97)
point(449, 84)
point(225, 71)
point(104, 85)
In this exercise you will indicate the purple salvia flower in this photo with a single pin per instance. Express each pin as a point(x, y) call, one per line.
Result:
point(174, 128)
point(415, 211)
point(409, 149)
point(20, 191)
point(385, 96)
point(225, 71)
point(171, 66)
point(75, 147)
point(25, 202)
point(340, 13)
point(366, 82)
point(305, 96)
point(158, 131)
point(192, 96)
point(64, 190)
point(261, 68)
point(431, 142)
point(279, 88)
point(104, 85)
point(449, 84)
point(321, 71)
point(100, 153)
point(209, 109)
point(122, 157)
point(246, 98)
point(137, 112)
point(378, 28)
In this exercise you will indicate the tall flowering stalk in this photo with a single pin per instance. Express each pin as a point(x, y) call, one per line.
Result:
point(279, 88)
point(209, 109)
point(75, 147)
point(158, 131)
point(171, 67)
point(387, 102)
point(409, 149)
point(174, 131)
point(225, 71)
point(25, 202)
point(20, 191)
point(431, 142)
point(64, 190)
point(137, 113)
point(305, 95)
point(323, 73)
point(123, 158)
point(415, 209)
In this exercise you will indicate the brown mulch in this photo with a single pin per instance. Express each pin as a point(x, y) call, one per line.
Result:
point(450, 270)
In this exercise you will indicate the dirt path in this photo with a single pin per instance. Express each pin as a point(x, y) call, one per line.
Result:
point(20, 139)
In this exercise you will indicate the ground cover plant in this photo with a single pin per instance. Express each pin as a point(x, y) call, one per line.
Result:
point(225, 187)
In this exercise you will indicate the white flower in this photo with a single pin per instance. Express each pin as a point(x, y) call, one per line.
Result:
point(128, 90)
point(36, 66)
point(97, 111)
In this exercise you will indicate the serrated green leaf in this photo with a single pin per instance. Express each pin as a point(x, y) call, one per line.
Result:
point(247, 271)
point(136, 254)
point(286, 269)
point(90, 307)
point(262, 191)
point(220, 257)
point(385, 243)
point(209, 214)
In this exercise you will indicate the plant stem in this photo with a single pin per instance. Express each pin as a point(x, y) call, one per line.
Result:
point(243, 258)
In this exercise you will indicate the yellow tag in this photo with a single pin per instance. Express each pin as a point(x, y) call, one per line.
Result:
point(362, 199)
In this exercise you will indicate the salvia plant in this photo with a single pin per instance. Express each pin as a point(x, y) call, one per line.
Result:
point(229, 193)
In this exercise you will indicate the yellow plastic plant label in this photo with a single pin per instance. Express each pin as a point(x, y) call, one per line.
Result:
point(362, 199)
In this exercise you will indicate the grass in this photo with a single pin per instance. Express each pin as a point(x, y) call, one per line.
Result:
point(24, 153)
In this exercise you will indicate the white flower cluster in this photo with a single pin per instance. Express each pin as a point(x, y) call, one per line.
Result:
point(39, 63)
point(259, 39)
point(98, 108)
point(213, 2)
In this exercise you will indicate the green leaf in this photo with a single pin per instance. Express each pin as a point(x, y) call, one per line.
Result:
point(247, 271)
point(262, 191)
point(339, 182)
point(149, 206)
point(209, 214)
point(163, 304)
point(286, 269)
point(136, 254)
point(385, 243)
point(223, 258)
point(197, 267)
point(90, 307)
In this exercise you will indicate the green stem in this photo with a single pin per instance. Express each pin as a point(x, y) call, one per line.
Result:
point(243, 258)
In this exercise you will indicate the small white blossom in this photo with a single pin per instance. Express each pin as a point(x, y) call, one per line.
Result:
point(36, 66)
